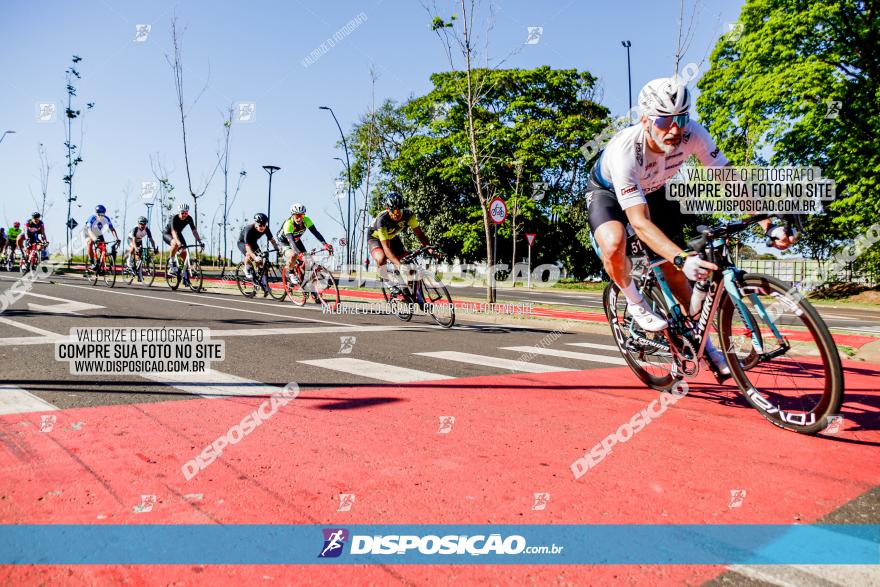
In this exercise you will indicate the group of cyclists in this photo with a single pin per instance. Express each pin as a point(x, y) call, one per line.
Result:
point(626, 186)
point(26, 241)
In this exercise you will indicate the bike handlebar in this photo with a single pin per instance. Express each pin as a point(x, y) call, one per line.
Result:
point(419, 252)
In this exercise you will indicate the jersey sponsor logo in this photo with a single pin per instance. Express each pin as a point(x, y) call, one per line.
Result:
point(651, 164)
point(628, 190)
point(639, 157)
point(714, 154)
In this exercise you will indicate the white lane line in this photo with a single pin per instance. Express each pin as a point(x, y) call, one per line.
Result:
point(493, 362)
point(839, 317)
point(239, 300)
point(371, 370)
point(30, 340)
point(566, 354)
point(66, 306)
point(28, 327)
point(215, 333)
point(188, 302)
point(15, 400)
point(212, 384)
point(595, 345)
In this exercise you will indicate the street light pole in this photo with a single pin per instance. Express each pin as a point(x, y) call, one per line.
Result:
point(348, 168)
point(8, 132)
point(628, 44)
point(270, 169)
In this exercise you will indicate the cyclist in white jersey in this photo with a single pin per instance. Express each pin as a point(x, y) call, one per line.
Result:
point(136, 237)
point(94, 231)
point(627, 186)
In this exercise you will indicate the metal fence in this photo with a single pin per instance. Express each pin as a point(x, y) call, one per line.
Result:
point(800, 270)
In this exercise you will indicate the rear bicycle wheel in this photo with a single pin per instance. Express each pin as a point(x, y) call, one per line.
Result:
point(438, 302)
point(646, 353)
point(246, 286)
point(128, 276)
point(797, 381)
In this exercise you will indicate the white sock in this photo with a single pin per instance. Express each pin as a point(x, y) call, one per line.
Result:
point(710, 348)
point(633, 295)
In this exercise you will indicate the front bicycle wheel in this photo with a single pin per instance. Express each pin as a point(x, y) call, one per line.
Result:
point(646, 353)
point(438, 302)
point(292, 286)
point(274, 281)
point(109, 272)
point(797, 380)
point(325, 287)
point(172, 275)
point(246, 284)
point(148, 270)
point(398, 300)
point(196, 277)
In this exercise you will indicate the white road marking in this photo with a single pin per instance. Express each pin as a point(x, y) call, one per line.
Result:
point(496, 362)
point(241, 300)
point(28, 327)
point(371, 370)
point(15, 400)
point(65, 307)
point(215, 333)
point(212, 384)
point(566, 354)
point(188, 302)
point(595, 345)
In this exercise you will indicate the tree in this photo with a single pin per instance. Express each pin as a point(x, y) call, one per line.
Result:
point(74, 152)
point(539, 117)
point(801, 84)
point(175, 62)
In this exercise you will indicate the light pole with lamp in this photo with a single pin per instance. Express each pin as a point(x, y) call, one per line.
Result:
point(348, 169)
point(8, 132)
point(627, 45)
point(270, 169)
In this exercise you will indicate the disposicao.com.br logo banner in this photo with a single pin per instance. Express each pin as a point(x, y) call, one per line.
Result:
point(714, 544)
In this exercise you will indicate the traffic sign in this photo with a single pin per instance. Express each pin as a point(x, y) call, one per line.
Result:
point(530, 236)
point(497, 210)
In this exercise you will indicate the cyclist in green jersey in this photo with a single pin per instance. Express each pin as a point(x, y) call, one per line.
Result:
point(384, 243)
point(12, 234)
point(291, 234)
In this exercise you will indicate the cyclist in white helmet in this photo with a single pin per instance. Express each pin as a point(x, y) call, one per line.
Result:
point(173, 234)
point(627, 186)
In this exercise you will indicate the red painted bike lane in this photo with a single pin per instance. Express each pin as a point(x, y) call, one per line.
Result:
point(513, 436)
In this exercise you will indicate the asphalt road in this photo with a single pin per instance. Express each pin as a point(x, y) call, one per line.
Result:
point(369, 419)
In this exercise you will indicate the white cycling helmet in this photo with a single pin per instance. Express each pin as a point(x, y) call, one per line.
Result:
point(297, 209)
point(183, 207)
point(665, 96)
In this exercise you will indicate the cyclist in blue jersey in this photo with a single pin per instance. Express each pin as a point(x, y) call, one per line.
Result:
point(94, 231)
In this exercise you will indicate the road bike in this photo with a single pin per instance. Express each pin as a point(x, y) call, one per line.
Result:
point(104, 265)
point(781, 354)
point(188, 270)
point(33, 256)
point(266, 276)
point(7, 257)
point(422, 289)
point(310, 278)
point(143, 269)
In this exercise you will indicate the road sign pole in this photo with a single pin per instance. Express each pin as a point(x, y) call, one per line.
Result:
point(530, 238)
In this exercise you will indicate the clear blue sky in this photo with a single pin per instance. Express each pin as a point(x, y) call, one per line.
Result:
point(254, 51)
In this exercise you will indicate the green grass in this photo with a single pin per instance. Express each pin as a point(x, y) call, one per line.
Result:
point(580, 285)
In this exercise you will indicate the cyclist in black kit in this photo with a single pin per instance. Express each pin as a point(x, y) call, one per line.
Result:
point(173, 234)
point(248, 241)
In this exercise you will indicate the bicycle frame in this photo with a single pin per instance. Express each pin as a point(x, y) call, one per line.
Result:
point(724, 280)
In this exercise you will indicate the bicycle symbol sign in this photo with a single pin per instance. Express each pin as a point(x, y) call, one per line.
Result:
point(497, 210)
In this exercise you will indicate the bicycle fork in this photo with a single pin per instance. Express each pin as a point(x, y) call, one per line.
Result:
point(732, 284)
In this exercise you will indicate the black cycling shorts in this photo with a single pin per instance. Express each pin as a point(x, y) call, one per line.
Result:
point(395, 244)
point(166, 236)
point(602, 206)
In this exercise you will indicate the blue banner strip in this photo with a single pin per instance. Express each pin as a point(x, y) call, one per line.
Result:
point(440, 544)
